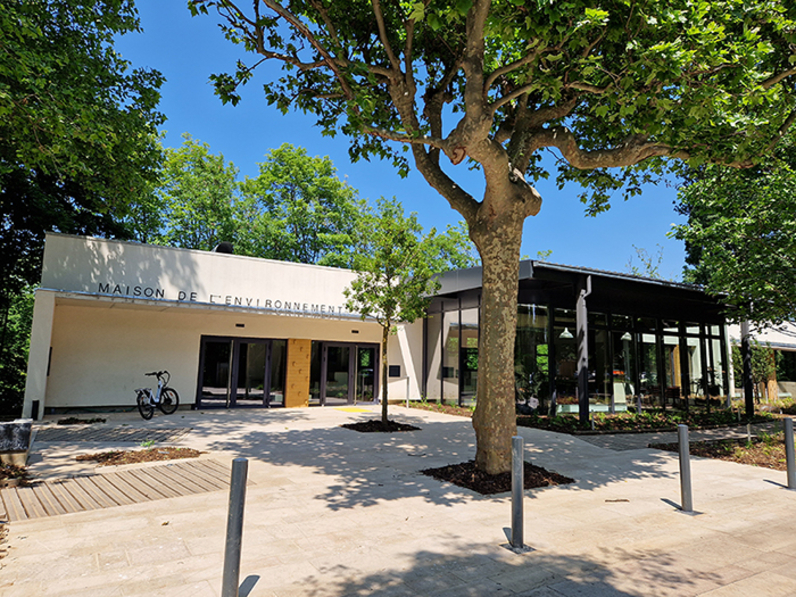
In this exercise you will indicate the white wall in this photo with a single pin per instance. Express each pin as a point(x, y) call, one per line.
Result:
point(112, 311)
point(98, 266)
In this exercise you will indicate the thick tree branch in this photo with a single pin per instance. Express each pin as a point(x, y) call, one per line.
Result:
point(393, 136)
point(503, 70)
point(635, 149)
point(385, 42)
point(770, 82)
point(302, 29)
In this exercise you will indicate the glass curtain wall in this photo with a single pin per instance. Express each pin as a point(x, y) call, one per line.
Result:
point(531, 359)
point(468, 354)
point(634, 362)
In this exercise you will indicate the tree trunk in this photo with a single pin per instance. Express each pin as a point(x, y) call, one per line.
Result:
point(385, 335)
point(498, 241)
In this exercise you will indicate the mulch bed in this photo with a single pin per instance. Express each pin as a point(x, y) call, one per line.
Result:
point(116, 457)
point(768, 453)
point(448, 409)
point(376, 426)
point(11, 475)
point(77, 421)
point(466, 475)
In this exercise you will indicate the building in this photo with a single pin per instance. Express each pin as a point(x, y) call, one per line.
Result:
point(231, 330)
point(237, 331)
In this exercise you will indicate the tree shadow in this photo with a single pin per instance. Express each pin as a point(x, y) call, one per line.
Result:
point(367, 468)
point(489, 570)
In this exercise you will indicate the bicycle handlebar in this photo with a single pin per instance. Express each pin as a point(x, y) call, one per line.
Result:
point(158, 373)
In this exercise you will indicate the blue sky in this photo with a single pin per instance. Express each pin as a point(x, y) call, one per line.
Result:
point(188, 50)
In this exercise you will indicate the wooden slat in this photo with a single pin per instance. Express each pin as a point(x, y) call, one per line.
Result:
point(125, 487)
point(193, 477)
point(48, 499)
point(143, 476)
point(118, 496)
point(31, 503)
point(142, 488)
point(80, 495)
point(215, 468)
point(65, 498)
point(201, 477)
point(102, 499)
point(13, 504)
point(187, 478)
point(176, 483)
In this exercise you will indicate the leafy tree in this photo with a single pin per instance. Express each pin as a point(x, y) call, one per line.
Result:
point(196, 201)
point(740, 236)
point(495, 83)
point(764, 365)
point(395, 280)
point(77, 141)
point(302, 211)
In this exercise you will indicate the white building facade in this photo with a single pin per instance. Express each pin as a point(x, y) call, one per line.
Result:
point(231, 330)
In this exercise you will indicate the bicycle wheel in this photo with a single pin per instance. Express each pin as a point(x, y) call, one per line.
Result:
point(144, 407)
point(169, 401)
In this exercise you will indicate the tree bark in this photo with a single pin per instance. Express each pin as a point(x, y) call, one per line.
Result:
point(498, 240)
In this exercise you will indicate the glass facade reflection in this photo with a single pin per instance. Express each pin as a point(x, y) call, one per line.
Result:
point(647, 353)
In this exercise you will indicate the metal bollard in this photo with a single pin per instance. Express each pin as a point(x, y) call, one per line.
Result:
point(237, 498)
point(686, 503)
point(517, 490)
point(790, 457)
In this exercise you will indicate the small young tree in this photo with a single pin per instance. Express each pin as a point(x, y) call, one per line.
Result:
point(395, 274)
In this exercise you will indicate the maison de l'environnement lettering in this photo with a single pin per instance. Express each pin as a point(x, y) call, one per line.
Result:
point(238, 331)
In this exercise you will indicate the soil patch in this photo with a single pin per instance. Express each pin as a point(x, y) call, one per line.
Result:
point(466, 475)
point(77, 421)
point(768, 451)
point(13, 475)
point(448, 409)
point(376, 426)
point(116, 457)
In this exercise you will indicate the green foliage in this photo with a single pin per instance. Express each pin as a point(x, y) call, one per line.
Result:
point(195, 205)
point(15, 324)
point(395, 265)
point(689, 76)
point(78, 143)
point(741, 235)
point(764, 363)
point(300, 210)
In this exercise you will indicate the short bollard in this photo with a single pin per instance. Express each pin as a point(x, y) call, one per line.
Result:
point(790, 456)
point(517, 490)
point(237, 498)
point(686, 504)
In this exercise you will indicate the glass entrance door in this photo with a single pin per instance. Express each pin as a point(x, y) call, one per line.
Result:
point(216, 358)
point(241, 372)
point(343, 374)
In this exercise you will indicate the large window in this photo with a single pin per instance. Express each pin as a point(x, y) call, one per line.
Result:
point(531, 358)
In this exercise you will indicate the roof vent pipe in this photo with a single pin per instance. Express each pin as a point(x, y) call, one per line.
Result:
point(224, 247)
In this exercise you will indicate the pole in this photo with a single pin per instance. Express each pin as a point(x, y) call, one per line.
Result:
point(790, 457)
point(517, 490)
point(686, 503)
point(237, 498)
point(407, 391)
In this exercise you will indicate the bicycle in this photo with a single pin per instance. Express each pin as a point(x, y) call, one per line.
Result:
point(165, 398)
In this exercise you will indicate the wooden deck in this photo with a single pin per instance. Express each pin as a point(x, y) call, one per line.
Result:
point(94, 492)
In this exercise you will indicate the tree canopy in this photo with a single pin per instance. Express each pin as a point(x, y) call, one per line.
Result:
point(495, 83)
point(78, 141)
point(740, 236)
point(395, 265)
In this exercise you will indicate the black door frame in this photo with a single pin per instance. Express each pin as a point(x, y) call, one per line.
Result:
point(232, 390)
point(352, 367)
